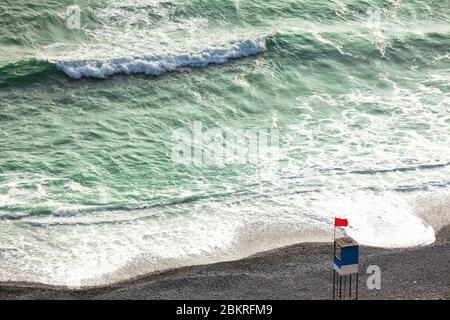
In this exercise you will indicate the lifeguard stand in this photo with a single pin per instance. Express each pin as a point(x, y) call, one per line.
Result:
point(345, 267)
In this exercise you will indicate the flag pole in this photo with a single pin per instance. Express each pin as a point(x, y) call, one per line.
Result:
point(334, 238)
point(334, 254)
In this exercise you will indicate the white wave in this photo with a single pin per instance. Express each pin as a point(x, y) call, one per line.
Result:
point(156, 65)
point(96, 247)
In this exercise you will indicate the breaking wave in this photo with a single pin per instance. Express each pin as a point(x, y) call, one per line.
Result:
point(155, 65)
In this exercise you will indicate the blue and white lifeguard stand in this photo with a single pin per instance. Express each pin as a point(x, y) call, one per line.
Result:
point(345, 267)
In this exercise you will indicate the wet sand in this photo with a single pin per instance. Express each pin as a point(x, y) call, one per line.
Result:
point(301, 271)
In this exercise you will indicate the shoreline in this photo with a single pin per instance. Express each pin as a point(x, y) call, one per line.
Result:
point(300, 271)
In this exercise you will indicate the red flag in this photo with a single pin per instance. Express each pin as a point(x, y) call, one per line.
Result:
point(340, 222)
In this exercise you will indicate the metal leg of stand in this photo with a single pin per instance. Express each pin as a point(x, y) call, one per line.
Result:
point(345, 285)
point(334, 283)
point(350, 287)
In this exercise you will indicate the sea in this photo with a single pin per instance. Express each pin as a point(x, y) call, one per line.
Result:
point(140, 136)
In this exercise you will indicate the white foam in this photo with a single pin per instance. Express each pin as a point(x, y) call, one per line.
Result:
point(79, 246)
point(156, 65)
point(383, 220)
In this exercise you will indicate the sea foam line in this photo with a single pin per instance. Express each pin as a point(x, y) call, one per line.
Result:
point(156, 65)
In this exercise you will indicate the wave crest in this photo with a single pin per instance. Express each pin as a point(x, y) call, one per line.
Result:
point(156, 65)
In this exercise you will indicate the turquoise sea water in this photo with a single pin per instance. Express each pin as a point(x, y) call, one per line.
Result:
point(358, 92)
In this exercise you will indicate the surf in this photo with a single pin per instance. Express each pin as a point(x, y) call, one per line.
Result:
point(155, 65)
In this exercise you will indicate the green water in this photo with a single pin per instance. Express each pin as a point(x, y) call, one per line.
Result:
point(358, 92)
